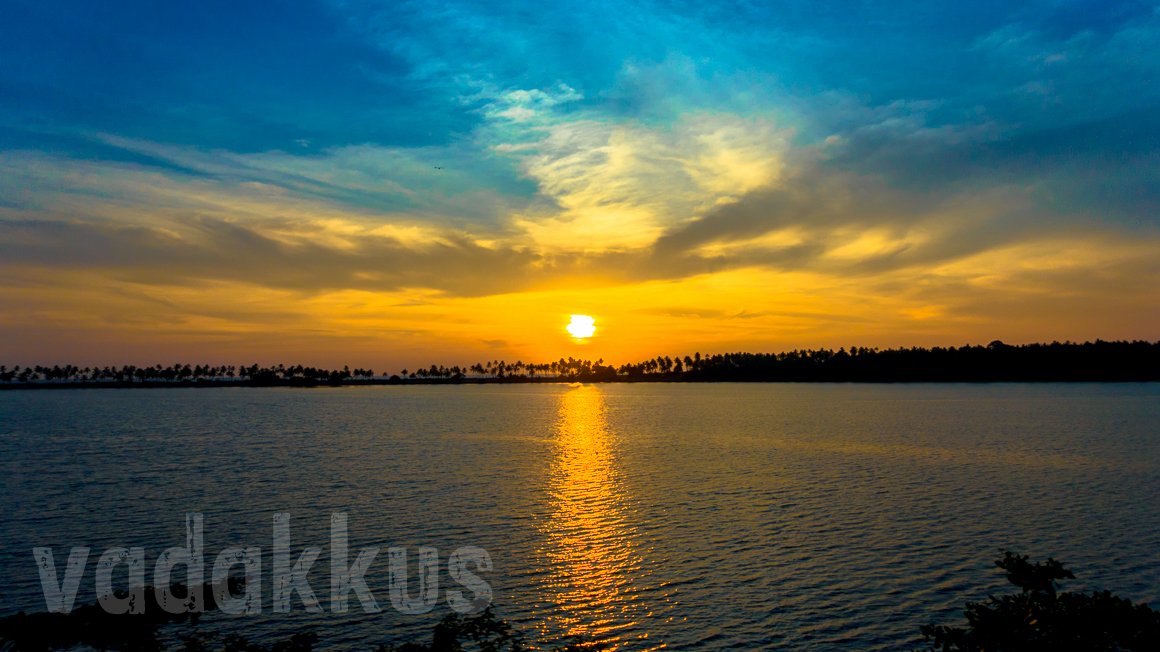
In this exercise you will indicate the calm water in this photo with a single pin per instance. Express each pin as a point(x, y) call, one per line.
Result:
point(679, 516)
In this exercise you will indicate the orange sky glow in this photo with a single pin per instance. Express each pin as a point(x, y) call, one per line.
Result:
point(391, 203)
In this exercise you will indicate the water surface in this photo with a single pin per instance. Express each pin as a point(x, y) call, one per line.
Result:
point(681, 516)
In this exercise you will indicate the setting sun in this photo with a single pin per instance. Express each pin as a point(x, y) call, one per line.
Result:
point(581, 327)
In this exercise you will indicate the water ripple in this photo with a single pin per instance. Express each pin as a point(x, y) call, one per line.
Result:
point(793, 517)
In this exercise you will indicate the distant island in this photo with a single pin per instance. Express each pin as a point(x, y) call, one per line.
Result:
point(1097, 361)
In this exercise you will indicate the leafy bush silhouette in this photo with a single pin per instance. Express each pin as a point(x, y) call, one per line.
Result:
point(483, 632)
point(1040, 617)
point(91, 626)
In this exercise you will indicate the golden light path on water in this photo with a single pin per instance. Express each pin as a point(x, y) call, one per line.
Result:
point(589, 534)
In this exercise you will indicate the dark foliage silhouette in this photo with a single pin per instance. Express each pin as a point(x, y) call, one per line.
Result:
point(1089, 361)
point(90, 625)
point(1040, 618)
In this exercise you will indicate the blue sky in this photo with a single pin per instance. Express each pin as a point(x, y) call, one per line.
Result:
point(249, 76)
point(590, 145)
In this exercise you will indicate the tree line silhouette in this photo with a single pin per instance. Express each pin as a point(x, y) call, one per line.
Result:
point(1066, 361)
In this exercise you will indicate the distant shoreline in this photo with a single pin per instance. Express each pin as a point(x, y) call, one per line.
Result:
point(532, 381)
point(1067, 362)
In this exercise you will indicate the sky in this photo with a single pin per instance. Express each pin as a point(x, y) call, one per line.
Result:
point(401, 183)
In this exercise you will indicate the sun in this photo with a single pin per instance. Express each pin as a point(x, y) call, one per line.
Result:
point(581, 327)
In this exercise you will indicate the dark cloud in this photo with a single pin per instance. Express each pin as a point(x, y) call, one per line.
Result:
point(216, 250)
point(827, 210)
point(949, 160)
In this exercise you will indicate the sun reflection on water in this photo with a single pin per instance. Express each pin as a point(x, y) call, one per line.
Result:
point(589, 533)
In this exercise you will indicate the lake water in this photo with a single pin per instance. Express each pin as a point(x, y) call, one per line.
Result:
point(683, 516)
